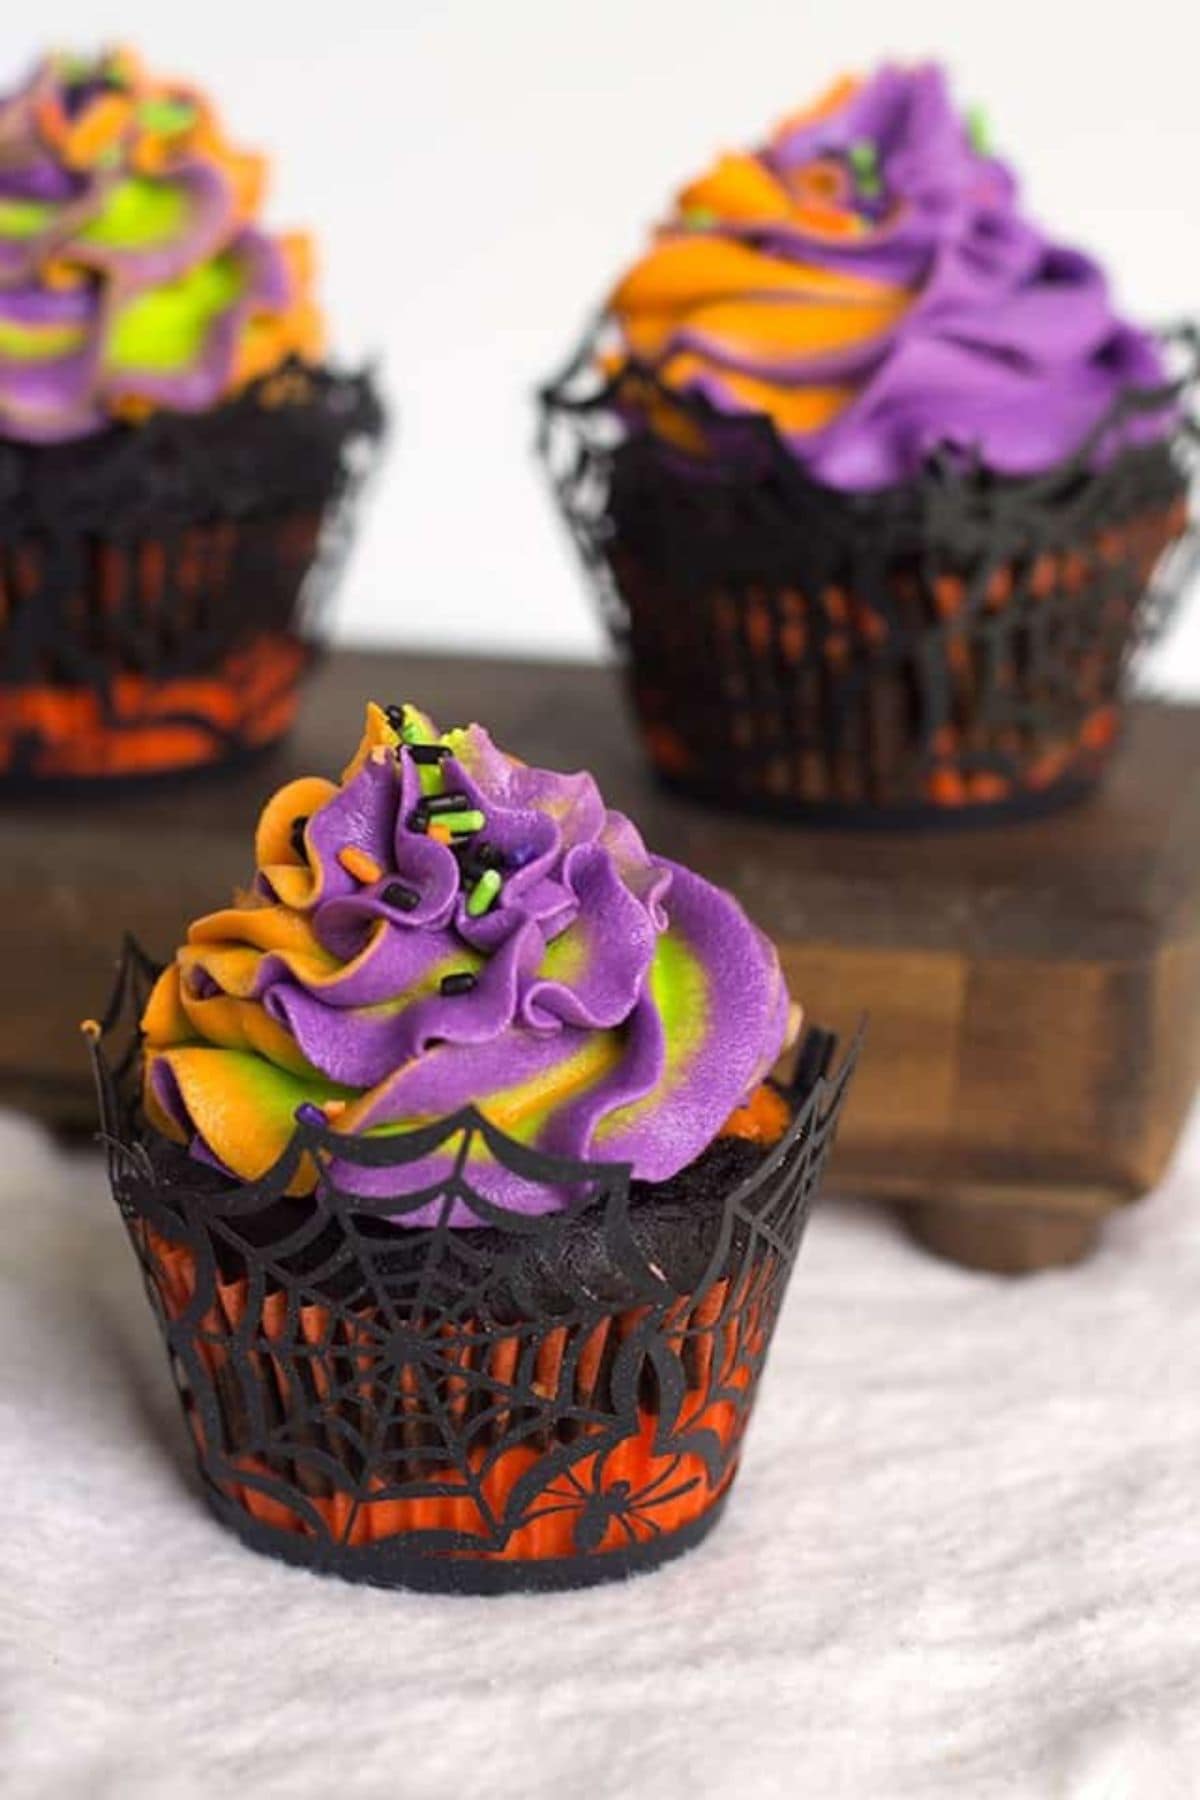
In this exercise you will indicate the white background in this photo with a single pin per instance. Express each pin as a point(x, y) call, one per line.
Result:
point(478, 172)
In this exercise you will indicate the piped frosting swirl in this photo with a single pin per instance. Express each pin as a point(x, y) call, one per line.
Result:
point(446, 927)
point(133, 272)
point(868, 281)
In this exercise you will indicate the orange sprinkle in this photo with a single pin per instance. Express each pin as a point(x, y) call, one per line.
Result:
point(821, 180)
point(356, 862)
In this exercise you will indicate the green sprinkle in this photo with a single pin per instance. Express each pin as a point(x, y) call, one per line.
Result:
point(462, 822)
point(863, 158)
point(72, 67)
point(166, 116)
point(483, 893)
point(978, 131)
point(699, 218)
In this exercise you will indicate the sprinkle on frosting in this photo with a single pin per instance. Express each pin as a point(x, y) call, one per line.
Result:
point(867, 280)
point(133, 272)
point(460, 983)
point(484, 893)
point(592, 1000)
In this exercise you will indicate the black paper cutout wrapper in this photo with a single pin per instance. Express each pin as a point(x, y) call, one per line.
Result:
point(163, 584)
point(534, 1402)
point(951, 651)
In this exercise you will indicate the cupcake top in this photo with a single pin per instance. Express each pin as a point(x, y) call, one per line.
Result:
point(868, 281)
point(133, 271)
point(449, 927)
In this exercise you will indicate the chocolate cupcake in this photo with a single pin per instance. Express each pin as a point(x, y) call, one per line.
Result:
point(461, 1185)
point(176, 462)
point(879, 489)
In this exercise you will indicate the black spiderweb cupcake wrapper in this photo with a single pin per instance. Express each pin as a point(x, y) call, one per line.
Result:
point(163, 586)
point(541, 1402)
point(955, 648)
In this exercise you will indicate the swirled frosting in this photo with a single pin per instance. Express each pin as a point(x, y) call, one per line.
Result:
point(868, 281)
point(449, 927)
point(133, 274)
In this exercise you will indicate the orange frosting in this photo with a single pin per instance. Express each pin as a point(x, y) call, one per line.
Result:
point(715, 296)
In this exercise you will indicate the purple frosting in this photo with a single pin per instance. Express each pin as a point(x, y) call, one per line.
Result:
point(622, 1007)
point(133, 273)
point(1010, 351)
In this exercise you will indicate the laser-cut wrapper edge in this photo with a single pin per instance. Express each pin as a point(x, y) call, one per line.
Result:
point(951, 651)
point(164, 587)
point(543, 1402)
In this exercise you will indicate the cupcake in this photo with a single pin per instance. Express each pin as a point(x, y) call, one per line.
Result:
point(462, 1187)
point(879, 489)
point(176, 462)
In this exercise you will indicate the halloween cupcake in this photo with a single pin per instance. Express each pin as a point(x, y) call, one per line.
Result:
point(176, 461)
point(455, 1165)
point(879, 487)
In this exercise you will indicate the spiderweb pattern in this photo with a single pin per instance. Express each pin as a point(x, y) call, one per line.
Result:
point(173, 576)
point(379, 1399)
point(960, 642)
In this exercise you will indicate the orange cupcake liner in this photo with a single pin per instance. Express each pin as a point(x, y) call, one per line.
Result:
point(161, 584)
point(951, 649)
point(131, 688)
point(525, 1491)
point(549, 1400)
point(1000, 693)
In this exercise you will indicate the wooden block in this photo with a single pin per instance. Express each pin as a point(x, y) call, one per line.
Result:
point(1033, 990)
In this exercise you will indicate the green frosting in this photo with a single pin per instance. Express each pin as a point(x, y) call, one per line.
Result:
point(137, 214)
point(24, 218)
point(39, 343)
point(164, 329)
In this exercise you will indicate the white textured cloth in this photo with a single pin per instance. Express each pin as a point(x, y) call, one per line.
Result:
point(963, 1558)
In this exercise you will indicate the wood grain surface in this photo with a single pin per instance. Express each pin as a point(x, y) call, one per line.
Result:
point(1033, 990)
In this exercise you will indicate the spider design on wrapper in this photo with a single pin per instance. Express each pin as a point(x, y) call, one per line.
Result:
point(536, 1403)
point(607, 1503)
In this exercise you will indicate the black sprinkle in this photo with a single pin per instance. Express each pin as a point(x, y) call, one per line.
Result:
point(403, 898)
point(475, 859)
point(395, 716)
point(297, 838)
point(417, 821)
point(461, 983)
point(434, 804)
point(428, 753)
